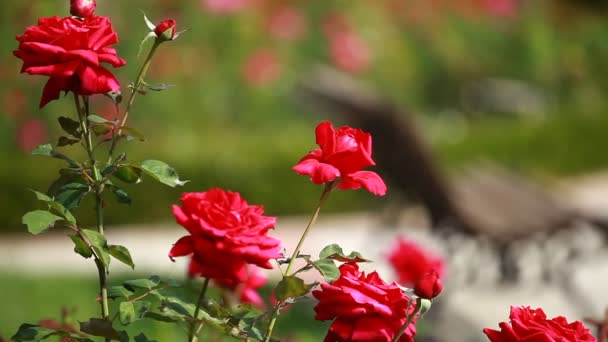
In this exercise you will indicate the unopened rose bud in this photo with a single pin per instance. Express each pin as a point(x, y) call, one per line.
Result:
point(82, 8)
point(428, 286)
point(165, 30)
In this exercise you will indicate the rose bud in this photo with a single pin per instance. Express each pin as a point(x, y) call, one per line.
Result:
point(428, 286)
point(165, 30)
point(82, 8)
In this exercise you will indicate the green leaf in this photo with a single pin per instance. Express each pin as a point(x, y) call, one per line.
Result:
point(31, 333)
point(159, 87)
point(97, 119)
point(168, 317)
point(70, 126)
point(149, 283)
point(38, 221)
point(118, 292)
point(150, 25)
point(58, 207)
point(129, 312)
point(291, 287)
point(335, 252)
point(70, 195)
point(132, 133)
point(327, 268)
point(47, 150)
point(162, 172)
point(99, 244)
point(142, 338)
point(65, 141)
point(101, 129)
point(81, 247)
point(129, 174)
point(126, 313)
point(103, 328)
point(122, 254)
point(121, 195)
point(43, 150)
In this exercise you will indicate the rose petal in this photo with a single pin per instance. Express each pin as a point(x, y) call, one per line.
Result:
point(368, 179)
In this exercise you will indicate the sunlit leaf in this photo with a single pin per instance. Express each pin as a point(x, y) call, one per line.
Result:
point(122, 254)
point(38, 221)
point(162, 172)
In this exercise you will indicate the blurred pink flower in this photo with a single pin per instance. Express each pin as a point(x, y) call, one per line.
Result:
point(225, 6)
point(286, 22)
point(411, 261)
point(347, 50)
point(248, 292)
point(501, 8)
point(30, 134)
point(14, 103)
point(261, 68)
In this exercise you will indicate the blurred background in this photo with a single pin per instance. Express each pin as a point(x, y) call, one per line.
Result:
point(519, 83)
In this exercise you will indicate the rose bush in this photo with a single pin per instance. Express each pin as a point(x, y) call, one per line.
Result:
point(364, 308)
point(226, 234)
point(70, 51)
point(532, 325)
point(342, 155)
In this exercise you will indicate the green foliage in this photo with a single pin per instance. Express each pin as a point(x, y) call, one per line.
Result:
point(39, 221)
point(327, 268)
point(81, 247)
point(291, 287)
point(122, 254)
point(33, 333)
point(99, 244)
point(162, 172)
point(129, 312)
point(103, 328)
point(335, 252)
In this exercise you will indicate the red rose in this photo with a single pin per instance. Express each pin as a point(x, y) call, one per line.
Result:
point(342, 154)
point(165, 30)
point(532, 325)
point(429, 285)
point(364, 308)
point(82, 8)
point(70, 51)
point(411, 261)
point(226, 234)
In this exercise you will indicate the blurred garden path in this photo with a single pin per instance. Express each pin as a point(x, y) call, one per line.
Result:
point(466, 306)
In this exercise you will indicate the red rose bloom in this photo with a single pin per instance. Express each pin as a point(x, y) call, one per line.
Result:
point(226, 234)
point(70, 51)
point(429, 285)
point(411, 261)
point(82, 8)
point(364, 308)
point(532, 325)
point(165, 30)
point(342, 154)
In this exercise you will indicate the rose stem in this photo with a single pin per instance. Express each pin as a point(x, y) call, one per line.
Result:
point(140, 79)
point(101, 268)
point(275, 313)
point(193, 337)
point(408, 321)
